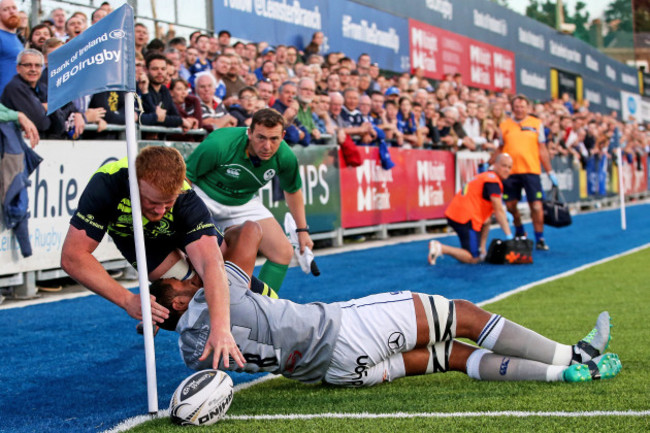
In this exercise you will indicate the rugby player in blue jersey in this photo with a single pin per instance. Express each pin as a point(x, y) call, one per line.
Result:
point(173, 217)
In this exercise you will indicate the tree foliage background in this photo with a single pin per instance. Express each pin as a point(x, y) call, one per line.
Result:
point(622, 18)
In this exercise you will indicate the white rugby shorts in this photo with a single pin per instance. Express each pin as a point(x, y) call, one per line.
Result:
point(373, 330)
point(225, 216)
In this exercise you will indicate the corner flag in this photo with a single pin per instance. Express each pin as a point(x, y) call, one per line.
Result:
point(100, 59)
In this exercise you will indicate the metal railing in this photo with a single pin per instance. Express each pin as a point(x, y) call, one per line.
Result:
point(164, 131)
point(141, 129)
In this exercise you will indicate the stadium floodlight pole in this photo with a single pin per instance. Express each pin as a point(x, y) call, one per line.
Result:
point(621, 192)
point(141, 258)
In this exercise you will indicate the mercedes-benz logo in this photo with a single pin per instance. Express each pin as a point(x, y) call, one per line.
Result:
point(396, 341)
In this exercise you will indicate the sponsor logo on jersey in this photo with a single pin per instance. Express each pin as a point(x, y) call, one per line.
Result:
point(292, 360)
point(89, 219)
point(124, 206)
point(361, 371)
point(254, 358)
point(396, 341)
point(125, 219)
point(201, 226)
point(268, 174)
point(162, 229)
point(234, 172)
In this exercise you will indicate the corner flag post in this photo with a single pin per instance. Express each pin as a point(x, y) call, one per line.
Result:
point(102, 59)
point(621, 189)
point(141, 258)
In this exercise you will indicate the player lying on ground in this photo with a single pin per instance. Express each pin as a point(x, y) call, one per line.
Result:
point(378, 338)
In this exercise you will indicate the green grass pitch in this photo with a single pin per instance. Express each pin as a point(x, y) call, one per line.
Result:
point(565, 310)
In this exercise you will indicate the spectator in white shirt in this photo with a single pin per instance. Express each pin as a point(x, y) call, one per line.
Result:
point(472, 125)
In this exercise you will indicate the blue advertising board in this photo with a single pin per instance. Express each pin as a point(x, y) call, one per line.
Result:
point(592, 91)
point(348, 27)
point(612, 100)
point(102, 58)
point(602, 96)
point(355, 29)
point(380, 28)
point(274, 21)
point(533, 78)
point(491, 23)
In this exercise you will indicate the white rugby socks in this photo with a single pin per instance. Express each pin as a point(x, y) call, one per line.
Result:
point(508, 338)
point(485, 365)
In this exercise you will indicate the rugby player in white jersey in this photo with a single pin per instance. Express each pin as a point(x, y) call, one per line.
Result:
point(376, 339)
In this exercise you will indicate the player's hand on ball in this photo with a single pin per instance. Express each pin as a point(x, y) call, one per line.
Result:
point(222, 344)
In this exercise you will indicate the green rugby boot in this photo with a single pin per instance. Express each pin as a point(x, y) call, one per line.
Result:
point(595, 343)
point(604, 366)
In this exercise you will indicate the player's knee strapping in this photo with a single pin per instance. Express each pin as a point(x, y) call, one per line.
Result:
point(441, 317)
point(439, 357)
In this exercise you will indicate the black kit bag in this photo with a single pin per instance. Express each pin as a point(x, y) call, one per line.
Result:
point(517, 251)
point(556, 211)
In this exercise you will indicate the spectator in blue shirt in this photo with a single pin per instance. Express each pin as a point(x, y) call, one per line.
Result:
point(407, 124)
point(10, 46)
point(288, 106)
point(319, 111)
point(354, 125)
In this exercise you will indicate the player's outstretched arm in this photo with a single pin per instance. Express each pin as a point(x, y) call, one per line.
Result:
point(206, 258)
point(77, 260)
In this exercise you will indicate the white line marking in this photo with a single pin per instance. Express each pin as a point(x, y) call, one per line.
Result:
point(243, 386)
point(132, 422)
point(562, 275)
point(516, 414)
point(57, 298)
point(129, 423)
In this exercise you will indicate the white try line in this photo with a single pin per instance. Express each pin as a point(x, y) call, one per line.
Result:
point(130, 423)
point(133, 422)
point(402, 415)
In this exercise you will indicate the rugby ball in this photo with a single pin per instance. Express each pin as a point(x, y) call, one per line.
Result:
point(201, 399)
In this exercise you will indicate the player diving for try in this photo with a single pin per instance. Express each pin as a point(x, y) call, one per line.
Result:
point(173, 217)
point(378, 338)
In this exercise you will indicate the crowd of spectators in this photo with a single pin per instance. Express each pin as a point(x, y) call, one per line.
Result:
point(211, 81)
